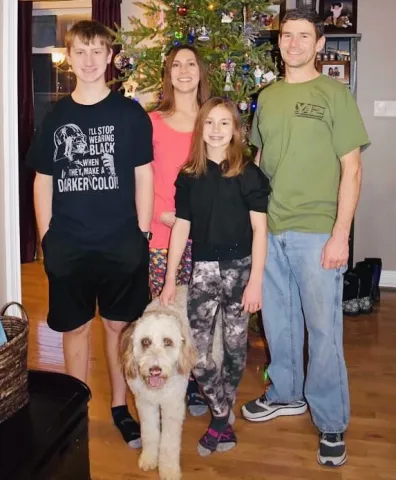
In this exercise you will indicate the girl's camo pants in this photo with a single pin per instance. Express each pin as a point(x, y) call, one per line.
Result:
point(215, 294)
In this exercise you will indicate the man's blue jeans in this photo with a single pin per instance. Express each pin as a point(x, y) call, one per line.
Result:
point(296, 287)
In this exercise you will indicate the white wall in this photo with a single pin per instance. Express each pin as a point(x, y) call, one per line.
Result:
point(10, 281)
point(376, 216)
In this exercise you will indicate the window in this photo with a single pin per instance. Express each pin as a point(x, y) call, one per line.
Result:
point(52, 76)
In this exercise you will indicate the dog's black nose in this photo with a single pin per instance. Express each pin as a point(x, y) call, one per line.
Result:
point(155, 371)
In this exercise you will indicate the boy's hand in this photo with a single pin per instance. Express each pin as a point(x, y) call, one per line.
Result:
point(252, 297)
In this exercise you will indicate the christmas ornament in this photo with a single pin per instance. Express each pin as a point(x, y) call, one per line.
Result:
point(130, 87)
point(257, 75)
point(191, 36)
point(243, 106)
point(231, 67)
point(268, 77)
point(121, 60)
point(227, 17)
point(211, 6)
point(224, 47)
point(182, 10)
point(203, 34)
point(250, 32)
point(176, 43)
point(228, 66)
point(245, 68)
point(161, 20)
point(228, 83)
point(179, 35)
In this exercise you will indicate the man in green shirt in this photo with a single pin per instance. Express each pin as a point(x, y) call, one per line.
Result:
point(309, 133)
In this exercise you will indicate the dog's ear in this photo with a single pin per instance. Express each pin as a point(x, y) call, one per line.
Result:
point(126, 354)
point(188, 354)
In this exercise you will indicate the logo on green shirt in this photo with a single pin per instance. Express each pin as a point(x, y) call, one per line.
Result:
point(308, 110)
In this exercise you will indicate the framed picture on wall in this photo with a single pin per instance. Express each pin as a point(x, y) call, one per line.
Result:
point(336, 69)
point(339, 17)
point(271, 18)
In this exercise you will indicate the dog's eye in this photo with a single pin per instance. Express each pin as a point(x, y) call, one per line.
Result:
point(168, 342)
point(146, 342)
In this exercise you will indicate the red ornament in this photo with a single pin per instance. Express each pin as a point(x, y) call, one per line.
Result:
point(182, 10)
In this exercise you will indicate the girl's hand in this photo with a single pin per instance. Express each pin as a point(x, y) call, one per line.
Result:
point(168, 219)
point(252, 297)
point(168, 293)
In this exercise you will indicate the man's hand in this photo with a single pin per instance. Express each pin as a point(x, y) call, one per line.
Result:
point(168, 219)
point(335, 253)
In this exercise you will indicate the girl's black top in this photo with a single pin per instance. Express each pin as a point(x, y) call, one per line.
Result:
point(218, 209)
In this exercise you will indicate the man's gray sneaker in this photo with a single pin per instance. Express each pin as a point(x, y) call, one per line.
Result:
point(332, 450)
point(261, 410)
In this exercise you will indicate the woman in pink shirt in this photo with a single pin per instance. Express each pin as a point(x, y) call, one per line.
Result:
point(185, 89)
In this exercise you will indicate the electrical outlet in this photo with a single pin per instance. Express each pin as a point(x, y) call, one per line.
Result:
point(384, 108)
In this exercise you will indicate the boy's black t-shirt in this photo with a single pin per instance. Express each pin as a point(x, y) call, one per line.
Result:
point(91, 152)
point(218, 208)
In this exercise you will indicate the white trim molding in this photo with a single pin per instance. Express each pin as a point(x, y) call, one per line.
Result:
point(11, 270)
point(388, 278)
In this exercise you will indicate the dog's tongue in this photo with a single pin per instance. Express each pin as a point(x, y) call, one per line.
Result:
point(155, 381)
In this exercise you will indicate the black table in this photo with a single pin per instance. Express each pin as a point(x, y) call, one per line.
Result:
point(48, 439)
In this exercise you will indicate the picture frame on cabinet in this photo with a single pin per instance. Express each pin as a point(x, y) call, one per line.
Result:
point(337, 69)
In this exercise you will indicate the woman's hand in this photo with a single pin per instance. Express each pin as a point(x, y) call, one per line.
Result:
point(168, 293)
point(168, 219)
point(252, 297)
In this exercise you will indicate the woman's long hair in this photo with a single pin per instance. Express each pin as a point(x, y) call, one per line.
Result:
point(196, 163)
point(167, 104)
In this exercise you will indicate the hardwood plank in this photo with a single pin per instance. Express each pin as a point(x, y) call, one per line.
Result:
point(284, 449)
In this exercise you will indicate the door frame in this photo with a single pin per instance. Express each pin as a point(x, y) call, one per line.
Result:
point(11, 268)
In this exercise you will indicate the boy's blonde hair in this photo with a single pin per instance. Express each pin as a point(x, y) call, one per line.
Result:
point(87, 31)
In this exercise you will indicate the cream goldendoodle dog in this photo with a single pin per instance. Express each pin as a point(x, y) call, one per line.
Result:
point(157, 354)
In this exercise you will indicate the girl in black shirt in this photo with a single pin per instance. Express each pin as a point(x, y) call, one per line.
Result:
point(221, 203)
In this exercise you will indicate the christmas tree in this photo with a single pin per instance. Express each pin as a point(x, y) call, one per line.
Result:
point(224, 33)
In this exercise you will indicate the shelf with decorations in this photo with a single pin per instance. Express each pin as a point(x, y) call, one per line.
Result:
point(341, 52)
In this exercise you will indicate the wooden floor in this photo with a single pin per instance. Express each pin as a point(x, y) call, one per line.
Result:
point(284, 449)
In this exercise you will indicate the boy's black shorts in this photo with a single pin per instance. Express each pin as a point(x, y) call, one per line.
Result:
point(116, 279)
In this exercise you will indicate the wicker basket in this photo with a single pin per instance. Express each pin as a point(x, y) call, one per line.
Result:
point(13, 363)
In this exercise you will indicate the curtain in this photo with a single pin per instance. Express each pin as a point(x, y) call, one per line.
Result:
point(27, 221)
point(108, 12)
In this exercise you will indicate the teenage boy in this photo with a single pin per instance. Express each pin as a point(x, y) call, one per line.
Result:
point(93, 196)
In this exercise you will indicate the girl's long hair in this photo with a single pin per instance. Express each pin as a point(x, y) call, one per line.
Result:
point(196, 163)
point(167, 104)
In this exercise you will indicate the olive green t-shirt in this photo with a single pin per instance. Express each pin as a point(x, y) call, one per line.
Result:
point(302, 130)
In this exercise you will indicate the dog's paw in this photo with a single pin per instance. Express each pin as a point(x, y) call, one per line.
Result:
point(169, 472)
point(148, 460)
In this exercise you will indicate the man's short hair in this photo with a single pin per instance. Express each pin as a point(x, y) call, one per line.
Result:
point(87, 31)
point(300, 14)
